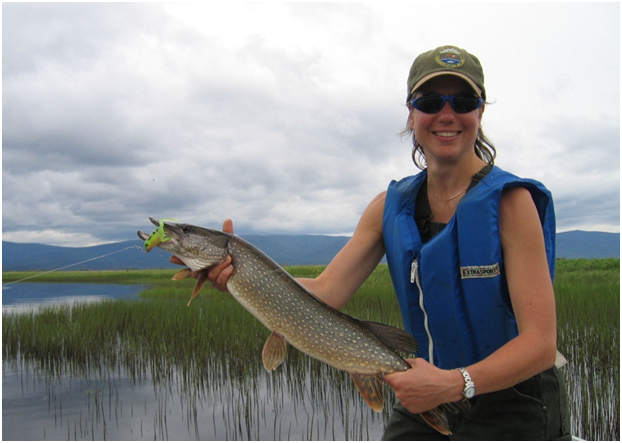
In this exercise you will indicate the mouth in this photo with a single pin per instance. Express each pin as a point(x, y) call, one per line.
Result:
point(446, 134)
point(159, 235)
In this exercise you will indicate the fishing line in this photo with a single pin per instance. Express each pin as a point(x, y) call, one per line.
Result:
point(69, 266)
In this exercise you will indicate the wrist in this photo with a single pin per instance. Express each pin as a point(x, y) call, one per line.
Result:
point(456, 386)
point(468, 390)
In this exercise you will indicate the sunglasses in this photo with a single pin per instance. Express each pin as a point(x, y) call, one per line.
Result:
point(433, 103)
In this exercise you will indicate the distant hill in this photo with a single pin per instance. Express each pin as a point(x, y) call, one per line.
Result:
point(588, 244)
point(285, 249)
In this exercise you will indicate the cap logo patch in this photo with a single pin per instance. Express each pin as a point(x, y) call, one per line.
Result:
point(449, 57)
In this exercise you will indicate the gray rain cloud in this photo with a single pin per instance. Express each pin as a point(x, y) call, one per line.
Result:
point(285, 117)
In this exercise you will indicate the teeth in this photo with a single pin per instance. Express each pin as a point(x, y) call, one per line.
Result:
point(446, 134)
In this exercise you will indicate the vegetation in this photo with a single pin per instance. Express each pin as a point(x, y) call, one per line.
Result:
point(139, 276)
point(215, 345)
point(588, 317)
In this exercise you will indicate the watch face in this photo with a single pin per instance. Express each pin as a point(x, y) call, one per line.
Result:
point(469, 392)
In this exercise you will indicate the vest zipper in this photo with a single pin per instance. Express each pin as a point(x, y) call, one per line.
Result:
point(414, 278)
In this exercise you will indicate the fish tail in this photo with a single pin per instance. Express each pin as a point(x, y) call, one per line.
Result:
point(437, 420)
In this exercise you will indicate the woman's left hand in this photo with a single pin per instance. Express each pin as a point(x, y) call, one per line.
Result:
point(424, 386)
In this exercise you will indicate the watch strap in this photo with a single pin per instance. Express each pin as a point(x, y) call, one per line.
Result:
point(469, 386)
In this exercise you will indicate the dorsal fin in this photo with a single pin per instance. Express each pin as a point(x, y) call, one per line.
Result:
point(395, 338)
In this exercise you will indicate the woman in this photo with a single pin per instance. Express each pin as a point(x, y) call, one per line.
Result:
point(470, 248)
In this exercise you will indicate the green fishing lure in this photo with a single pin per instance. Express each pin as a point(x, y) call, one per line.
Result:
point(158, 236)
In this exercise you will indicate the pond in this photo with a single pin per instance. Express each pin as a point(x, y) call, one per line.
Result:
point(137, 398)
point(25, 297)
point(116, 405)
point(146, 368)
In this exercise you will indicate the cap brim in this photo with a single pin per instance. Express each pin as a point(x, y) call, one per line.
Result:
point(432, 75)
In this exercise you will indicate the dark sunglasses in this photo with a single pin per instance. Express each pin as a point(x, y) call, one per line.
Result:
point(431, 104)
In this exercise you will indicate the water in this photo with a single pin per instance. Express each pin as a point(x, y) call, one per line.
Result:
point(117, 405)
point(153, 399)
point(147, 397)
point(25, 297)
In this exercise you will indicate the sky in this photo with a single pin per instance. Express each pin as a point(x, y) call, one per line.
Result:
point(285, 116)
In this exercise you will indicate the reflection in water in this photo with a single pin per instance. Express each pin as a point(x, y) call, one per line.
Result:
point(117, 378)
point(116, 404)
point(27, 297)
point(157, 370)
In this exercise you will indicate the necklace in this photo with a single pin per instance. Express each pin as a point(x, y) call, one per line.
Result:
point(450, 198)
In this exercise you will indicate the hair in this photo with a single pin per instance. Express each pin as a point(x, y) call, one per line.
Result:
point(483, 147)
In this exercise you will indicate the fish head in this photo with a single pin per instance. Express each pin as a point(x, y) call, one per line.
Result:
point(196, 246)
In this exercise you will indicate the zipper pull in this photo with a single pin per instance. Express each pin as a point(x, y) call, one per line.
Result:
point(413, 270)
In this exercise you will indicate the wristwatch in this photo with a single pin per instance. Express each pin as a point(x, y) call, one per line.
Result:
point(469, 386)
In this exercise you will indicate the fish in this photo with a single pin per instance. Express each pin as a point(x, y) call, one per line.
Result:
point(364, 349)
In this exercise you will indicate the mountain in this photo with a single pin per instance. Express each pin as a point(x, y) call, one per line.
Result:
point(588, 244)
point(285, 249)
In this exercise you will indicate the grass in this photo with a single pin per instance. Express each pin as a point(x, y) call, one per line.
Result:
point(588, 311)
point(134, 276)
point(216, 344)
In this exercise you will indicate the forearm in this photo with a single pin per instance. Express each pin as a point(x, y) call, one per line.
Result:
point(425, 386)
point(343, 276)
point(516, 361)
point(314, 286)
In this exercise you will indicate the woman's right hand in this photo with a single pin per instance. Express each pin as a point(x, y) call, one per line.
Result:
point(218, 274)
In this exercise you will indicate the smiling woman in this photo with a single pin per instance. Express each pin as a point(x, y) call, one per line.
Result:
point(487, 319)
point(427, 79)
point(439, 124)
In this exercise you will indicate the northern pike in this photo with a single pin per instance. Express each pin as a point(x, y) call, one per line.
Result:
point(364, 349)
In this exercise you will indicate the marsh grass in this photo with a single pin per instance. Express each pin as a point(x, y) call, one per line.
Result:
point(588, 311)
point(134, 276)
point(212, 352)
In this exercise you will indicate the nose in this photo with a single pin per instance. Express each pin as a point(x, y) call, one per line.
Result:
point(447, 112)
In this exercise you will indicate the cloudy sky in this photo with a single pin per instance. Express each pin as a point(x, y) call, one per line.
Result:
point(284, 116)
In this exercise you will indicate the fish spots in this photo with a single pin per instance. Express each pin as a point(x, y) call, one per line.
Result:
point(276, 300)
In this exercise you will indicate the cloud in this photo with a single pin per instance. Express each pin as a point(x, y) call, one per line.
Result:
point(283, 116)
point(53, 237)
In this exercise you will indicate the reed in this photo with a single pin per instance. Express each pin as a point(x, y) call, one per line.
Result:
point(588, 311)
point(210, 353)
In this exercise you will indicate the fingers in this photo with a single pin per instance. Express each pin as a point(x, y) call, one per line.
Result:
point(227, 226)
point(396, 379)
point(220, 273)
point(177, 261)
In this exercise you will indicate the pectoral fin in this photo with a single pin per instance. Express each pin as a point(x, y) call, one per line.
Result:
point(274, 351)
point(370, 387)
point(197, 287)
point(184, 273)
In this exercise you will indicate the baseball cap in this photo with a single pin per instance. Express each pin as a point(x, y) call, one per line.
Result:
point(446, 60)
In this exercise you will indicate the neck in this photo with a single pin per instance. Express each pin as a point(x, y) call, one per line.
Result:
point(447, 182)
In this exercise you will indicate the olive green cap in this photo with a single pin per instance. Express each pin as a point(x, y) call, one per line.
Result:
point(446, 60)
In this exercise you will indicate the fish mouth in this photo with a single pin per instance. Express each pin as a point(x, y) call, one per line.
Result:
point(164, 232)
point(142, 235)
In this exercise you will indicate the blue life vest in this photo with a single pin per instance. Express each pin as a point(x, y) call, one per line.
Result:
point(452, 291)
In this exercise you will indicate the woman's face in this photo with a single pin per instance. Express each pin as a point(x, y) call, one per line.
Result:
point(445, 136)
